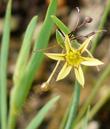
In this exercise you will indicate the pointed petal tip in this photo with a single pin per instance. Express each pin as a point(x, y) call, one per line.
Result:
point(92, 62)
point(79, 75)
point(81, 83)
point(57, 79)
point(55, 56)
point(82, 86)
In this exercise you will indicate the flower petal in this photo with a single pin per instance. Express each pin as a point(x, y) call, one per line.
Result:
point(85, 44)
point(79, 75)
point(64, 71)
point(55, 56)
point(68, 44)
point(88, 61)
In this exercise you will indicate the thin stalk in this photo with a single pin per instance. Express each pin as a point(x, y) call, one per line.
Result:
point(101, 25)
point(74, 106)
point(102, 77)
point(3, 65)
point(37, 120)
point(104, 73)
point(95, 109)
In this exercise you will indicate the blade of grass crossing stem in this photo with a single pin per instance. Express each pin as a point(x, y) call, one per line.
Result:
point(3, 65)
point(102, 77)
point(60, 25)
point(21, 91)
point(37, 120)
point(25, 49)
point(73, 107)
point(101, 25)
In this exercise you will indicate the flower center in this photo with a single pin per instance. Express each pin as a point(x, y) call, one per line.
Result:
point(73, 58)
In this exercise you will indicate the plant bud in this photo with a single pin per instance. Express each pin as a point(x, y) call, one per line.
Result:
point(88, 19)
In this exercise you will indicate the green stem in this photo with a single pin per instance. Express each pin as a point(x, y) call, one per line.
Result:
point(74, 106)
point(95, 109)
point(3, 66)
point(93, 94)
point(101, 26)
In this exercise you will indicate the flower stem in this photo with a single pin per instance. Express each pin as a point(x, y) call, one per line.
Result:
point(73, 107)
point(93, 94)
point(95, 109)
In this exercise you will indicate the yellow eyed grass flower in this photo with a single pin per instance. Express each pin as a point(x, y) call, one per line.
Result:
point(74, 59)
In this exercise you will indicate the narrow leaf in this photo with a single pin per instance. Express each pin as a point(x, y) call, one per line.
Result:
point(60, 39)
point(3, 65)
point(24, 53)
point(21, 90)
point(37, 120)
point(60, 25)
point(25, 49)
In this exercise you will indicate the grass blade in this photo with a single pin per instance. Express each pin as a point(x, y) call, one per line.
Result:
point(101, 25)
point(3, 65)
point(60, 25)
point(60, 39)
point(25, 49)
point(21, 90)
point(34, 124)
point(95, 109)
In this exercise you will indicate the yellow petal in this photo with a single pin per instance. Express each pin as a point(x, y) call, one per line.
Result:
point(55, 56)
point(64, 71)
point(83, 47)
point(68, 44)
point(91, 61)
point(79, 75)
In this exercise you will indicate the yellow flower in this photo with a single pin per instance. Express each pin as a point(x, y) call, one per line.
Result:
point(74, 59)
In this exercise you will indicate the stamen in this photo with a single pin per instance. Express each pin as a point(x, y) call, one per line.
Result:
point(86, 20)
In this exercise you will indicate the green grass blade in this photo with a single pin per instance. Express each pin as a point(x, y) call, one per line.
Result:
point(95, 109)
point(101, 26)
point(21, 91)
point(60, 39)
point(34, 124)
point(60, 25)
point(3, 65)
point(36, 59)
point(25, 50)
point(73, 107)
